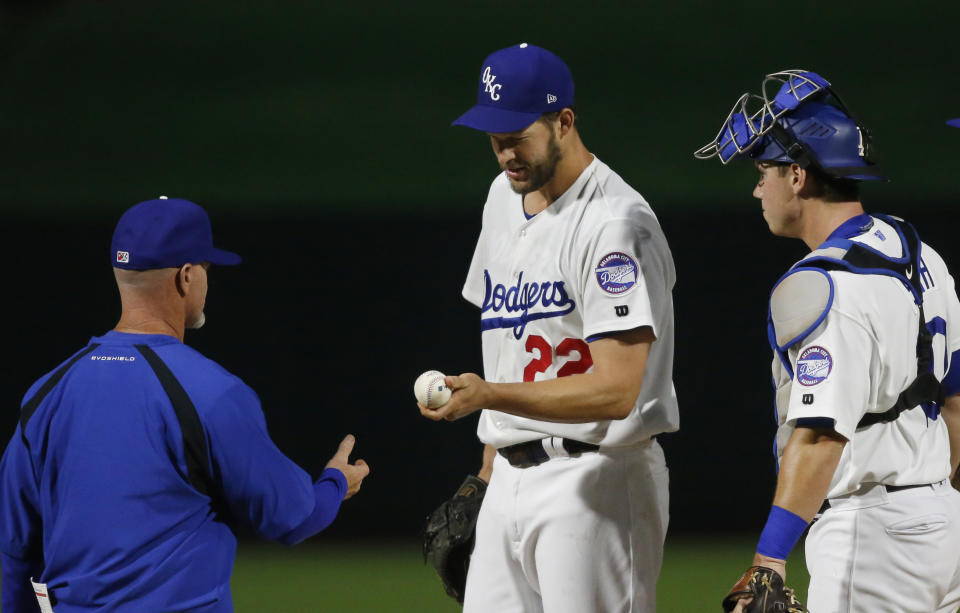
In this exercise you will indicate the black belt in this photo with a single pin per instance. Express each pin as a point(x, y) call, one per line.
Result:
point(889, 488)
point(532, 453)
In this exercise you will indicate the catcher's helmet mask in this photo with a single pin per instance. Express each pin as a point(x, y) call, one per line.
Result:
point(805, 122)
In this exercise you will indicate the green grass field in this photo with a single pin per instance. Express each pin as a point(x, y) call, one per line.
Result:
point(343, 579)
point(339, 578)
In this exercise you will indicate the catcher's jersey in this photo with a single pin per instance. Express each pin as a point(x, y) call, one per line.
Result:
point(592, 263)
point(862, 355)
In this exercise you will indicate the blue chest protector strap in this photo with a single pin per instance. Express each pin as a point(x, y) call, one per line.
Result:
point(858, 258)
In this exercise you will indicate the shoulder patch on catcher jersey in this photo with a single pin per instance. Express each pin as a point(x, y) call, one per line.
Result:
point(616, 273)
point(799, 303)
point(813, 366)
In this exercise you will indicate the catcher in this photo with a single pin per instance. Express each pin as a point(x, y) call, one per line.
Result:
point(865, 333)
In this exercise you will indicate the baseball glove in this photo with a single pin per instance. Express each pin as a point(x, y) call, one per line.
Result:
point(769, 593)
point(449, 535)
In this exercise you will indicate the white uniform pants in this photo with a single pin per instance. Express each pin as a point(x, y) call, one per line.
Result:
point(574, 534)
point(878, 551)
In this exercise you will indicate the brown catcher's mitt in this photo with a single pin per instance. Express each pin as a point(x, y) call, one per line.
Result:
point(766, 588)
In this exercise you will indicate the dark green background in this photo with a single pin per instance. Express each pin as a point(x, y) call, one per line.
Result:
point(317, 134)
point(304, 108)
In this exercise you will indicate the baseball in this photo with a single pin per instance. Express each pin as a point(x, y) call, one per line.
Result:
point(430, 389)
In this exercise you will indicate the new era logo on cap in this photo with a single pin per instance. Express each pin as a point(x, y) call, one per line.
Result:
point(123, 257)
point(551, 98)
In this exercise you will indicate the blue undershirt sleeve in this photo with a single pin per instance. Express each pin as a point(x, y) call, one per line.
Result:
point(15, 585)
point(263, 488)
point(328, 491)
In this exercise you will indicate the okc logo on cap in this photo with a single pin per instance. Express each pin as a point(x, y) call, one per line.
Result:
point(813, 365)
point(616, 273)
point(488, 84)
point(516, 86)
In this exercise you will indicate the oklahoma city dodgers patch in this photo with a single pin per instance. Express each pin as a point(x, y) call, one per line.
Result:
point(813, 365)
point(616, 273)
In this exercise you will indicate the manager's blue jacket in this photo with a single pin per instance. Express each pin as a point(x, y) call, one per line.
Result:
point(116, 490)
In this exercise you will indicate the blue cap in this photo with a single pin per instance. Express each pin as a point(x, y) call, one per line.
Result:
point(954, 122)
point(518, 85)
point(165, 233)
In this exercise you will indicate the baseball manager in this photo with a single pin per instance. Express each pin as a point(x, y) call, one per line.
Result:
point(133, 458)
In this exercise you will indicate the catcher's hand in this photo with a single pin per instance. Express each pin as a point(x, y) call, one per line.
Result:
point(449, 535)
point(763, 591)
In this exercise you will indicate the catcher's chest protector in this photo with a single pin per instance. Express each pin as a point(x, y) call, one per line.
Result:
point(802, 298)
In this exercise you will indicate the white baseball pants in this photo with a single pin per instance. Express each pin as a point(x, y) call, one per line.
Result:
point(572, 535)
point(877, 551)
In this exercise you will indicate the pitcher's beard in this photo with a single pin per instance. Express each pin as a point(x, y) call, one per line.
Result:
point(540, 172)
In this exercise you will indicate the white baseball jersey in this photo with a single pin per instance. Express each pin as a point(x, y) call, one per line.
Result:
point(593, 262)
point(861, 357)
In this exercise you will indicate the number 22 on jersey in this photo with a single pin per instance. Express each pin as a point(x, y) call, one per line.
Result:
point(545, 354)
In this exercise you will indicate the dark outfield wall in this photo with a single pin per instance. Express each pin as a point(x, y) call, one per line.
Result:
point(317, 134)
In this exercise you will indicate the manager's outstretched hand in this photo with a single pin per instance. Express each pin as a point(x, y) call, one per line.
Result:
point(356, 472)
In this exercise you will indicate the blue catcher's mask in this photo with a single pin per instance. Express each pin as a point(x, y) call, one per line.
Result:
point(797, 125)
